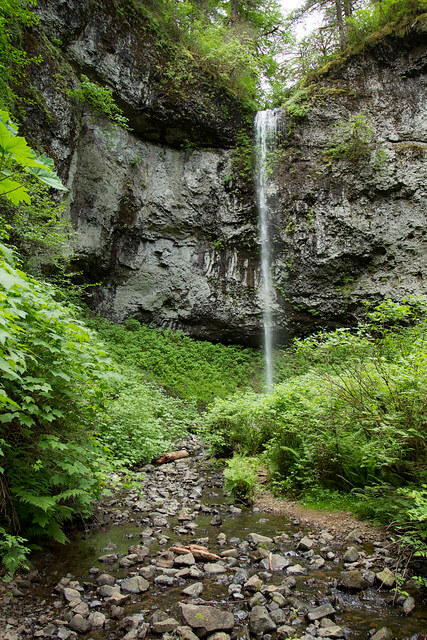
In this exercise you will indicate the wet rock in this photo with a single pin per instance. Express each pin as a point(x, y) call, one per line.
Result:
point(323, 611)
point(260, 622)
point(382, 634)
point(140, 550)
point(71, 595)
point(136, 584)
point(285, 631)
point(230, 553)
point(82, 608)
point(354, 536)
point(408, 605)
point(108, 558)
point(278, 616)
point(296, 570)
point(305, 544)
point(386, 578)
point(256, 539)
point(194, 590)
point(253, 584)
point(107, 590)
point(352, 580)
point(219, 635)
point(164, 626)
point(186, 560)
point(351, 555)
point(118, 599)
point(105, 578)
point(275, 562)
point(165, 580)
point(79, 624)
point(129, 561)
point(206, 619)
point(184, 633)
point(96, 620)
point(215, 568)
point(257, 600)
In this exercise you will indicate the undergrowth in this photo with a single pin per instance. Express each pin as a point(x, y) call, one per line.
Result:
point(194, 370)
point(347, 418)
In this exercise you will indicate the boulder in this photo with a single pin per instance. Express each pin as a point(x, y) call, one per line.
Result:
point(352, 580)
point(205, 619)
point(260, 621)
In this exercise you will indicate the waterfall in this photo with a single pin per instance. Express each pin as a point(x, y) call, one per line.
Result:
point(266, 129)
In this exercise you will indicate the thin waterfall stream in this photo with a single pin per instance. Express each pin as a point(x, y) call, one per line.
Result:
point(266, 127)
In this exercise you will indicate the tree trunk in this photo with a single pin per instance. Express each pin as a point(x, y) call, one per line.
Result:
point(340, 23)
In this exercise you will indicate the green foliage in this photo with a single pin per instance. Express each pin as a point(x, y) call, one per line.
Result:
point(243, 159)
point(367, 20)
point(240, 477)
point(193, 370)
point(14, 16)
point(17, 157)
point(350, 410)
point(353, 140)
point(39, 230)
point(13, 553)
point(54, 378)
point(140, 421)
point(298, 105)
point(100, 100)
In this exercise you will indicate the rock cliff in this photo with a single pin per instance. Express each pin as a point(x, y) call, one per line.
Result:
point(166, 221)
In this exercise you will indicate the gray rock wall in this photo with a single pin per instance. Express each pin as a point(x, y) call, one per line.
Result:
point(170, 232)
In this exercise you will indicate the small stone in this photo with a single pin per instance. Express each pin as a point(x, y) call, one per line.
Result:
point(79, 624)
point(408, 605)
point(136, 584)
point(184, 633)
point(386, 578)
point(118, 599)
point(164, 626)
point(278, 616)
point(96, 620)
point(305, 544)
point(108, 558)
point(230, 553)
point(332, 631)
point(253, 584)
point(107, 590)
point(352, 580)
point(81, 608)
point(129, 561)
point(382, 634)
point(117, 612)
point(260, 621)
point(206, 619)
point(351, 555)
point(165, 580)
point(275, 562)
point(219, 635)
point(71, 594)
point(285, 631)
point(256, 539)
point(105, 578)
point(296, 570)
point(65, 634)
point(215, 567)
point(323, 611)
point(354, 536)
point(194, 590)
point(216, 521)
point(186, 560)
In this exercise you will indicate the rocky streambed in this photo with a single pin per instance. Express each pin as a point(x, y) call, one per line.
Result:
point(174, 560)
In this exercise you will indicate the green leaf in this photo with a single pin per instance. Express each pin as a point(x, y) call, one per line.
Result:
point(48, 176)
point(14, 191)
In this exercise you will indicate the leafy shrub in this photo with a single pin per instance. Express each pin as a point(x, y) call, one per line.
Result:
point(140, 422)
point(240, 477)
point(99, 99)
point(353, 140)
point(54, 379)
point(191, 369)
point(354, 418)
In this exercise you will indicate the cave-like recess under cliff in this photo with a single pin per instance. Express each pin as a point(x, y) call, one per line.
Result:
point(167, 224)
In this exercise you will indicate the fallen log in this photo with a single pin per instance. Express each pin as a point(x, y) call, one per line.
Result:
point(172, 455)
point(199, 552)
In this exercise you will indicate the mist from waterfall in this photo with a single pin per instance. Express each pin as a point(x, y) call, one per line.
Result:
point(266, 129)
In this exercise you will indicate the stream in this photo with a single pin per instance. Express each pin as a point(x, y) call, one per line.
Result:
point(276, 577)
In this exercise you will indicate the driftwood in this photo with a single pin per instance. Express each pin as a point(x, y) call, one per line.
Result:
point(173, 455)
point(199, 552)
